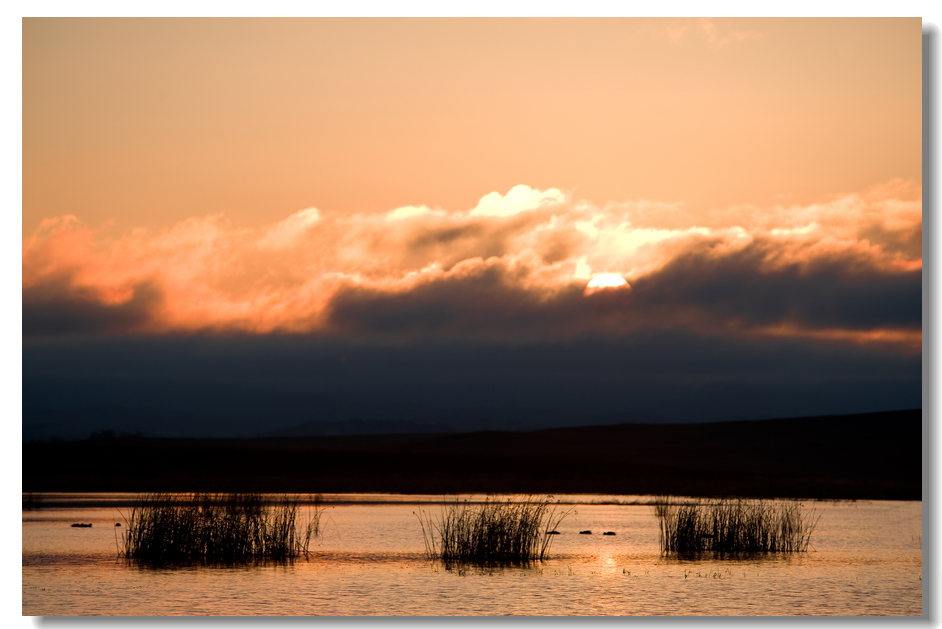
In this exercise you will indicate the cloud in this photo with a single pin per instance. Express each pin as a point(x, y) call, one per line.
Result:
point(411, 211)
point(288, 231)
point(55, 308)
point(820, 292)
point(717, 34)
point(845, 269)
point(719, 37)
point(727, 294)
point(714, 33)
point(519, 199)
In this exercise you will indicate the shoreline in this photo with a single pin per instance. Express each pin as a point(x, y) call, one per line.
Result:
point(103, 500)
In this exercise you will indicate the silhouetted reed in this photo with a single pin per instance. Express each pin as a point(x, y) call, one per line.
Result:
point(217, 529)
point(514, 531)
point(734, 526)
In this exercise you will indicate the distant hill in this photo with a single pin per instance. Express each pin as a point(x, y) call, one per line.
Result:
point(512, 420)
point(864, 456)
point(334, 417)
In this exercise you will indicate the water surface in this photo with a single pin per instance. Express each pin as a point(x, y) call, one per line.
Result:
point(369, 559)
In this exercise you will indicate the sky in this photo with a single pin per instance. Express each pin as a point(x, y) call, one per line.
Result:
point(238, 225)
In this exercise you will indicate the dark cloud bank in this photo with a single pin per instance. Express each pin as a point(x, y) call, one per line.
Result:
point(698, 293)
point(56, 308)
point(479, 352)
point(253, 385)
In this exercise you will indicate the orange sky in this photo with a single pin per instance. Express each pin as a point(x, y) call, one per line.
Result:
point(147, 122)
point(298, 175)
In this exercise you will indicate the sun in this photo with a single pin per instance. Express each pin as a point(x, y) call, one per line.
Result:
point(606, 281)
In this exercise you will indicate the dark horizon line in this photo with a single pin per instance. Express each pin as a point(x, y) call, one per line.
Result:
point(830, 457)
point(109, 434)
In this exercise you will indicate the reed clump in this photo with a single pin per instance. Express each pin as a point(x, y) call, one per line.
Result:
point(217, 529)
point(515, 531)
point(734, 526)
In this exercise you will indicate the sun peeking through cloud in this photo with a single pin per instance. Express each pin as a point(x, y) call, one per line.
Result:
point(514, 265)
point(606, 281)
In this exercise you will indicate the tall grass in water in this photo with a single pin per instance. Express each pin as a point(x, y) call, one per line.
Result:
point(217, 529)
point(734, 526)
point(513, 531)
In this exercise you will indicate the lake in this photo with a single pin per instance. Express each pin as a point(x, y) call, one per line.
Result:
point(369, 559)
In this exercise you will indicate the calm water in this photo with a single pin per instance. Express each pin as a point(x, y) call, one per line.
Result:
point(369, 560)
